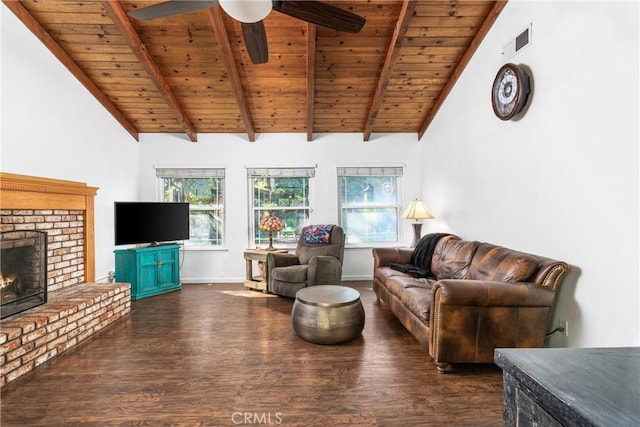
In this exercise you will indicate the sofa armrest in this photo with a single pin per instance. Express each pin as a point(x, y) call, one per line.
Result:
point(281, 259)
point(471, 318)
point(324, 270)
point(384, 256)
point(491, 294)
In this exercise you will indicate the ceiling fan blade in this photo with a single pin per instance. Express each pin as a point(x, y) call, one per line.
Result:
point(255, 38)
point(320, 13)
point(170, 8)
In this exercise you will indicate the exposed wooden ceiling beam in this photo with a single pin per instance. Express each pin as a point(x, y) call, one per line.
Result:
point(457, 72)
point(215, 17)
point(121, 21)
point(311, 73)
point(404, 18)
point(41, 33)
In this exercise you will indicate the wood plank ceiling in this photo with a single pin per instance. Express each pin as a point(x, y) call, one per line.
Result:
point(191, 73)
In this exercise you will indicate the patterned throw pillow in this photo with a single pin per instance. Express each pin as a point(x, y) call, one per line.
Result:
point(317, 234)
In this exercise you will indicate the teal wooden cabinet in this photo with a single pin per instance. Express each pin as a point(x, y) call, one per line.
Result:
point(151, 270)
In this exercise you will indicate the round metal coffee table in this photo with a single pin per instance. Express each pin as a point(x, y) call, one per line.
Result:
point(328, 314)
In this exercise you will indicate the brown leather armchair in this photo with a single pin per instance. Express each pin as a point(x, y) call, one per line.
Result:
point(312, 263)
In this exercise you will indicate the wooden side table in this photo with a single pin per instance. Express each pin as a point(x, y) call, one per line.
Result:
point(260, 280)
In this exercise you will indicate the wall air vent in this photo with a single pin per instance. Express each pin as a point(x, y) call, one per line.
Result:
point(522, 40)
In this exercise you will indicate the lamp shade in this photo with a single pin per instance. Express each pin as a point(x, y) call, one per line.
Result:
point(416, 210)
point(247, 11)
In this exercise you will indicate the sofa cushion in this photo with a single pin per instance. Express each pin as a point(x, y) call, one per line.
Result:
point(418, 301)
point(500, 264)
point(292, 274)
point(398, 284)
point(383, 273)
point(452, 257)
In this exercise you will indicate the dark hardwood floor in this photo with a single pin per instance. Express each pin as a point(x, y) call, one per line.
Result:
point(202, 357)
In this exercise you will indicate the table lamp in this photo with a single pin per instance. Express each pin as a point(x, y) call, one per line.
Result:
point(417, 212)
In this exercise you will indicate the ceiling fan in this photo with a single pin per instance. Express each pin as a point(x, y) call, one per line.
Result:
point(250, 13)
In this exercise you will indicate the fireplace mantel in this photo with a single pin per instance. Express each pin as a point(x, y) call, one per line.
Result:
point(30, 192)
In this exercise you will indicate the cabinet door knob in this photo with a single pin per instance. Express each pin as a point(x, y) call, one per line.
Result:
point(159, 263)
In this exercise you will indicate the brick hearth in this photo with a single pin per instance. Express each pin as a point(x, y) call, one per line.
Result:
point(70, 316)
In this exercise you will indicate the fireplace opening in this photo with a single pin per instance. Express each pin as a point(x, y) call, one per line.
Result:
point(23, 271)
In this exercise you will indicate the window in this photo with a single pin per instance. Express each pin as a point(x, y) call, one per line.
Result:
point(204, 190)
point(369, 203)
point(283, 192)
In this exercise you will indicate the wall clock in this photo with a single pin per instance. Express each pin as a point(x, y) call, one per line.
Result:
point(510, 91)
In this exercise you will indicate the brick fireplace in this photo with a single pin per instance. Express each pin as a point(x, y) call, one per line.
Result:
point(65, 231)
point(75, 307)
point(23, 271)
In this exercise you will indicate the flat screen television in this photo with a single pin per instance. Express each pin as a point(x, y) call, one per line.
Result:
point(150, 222)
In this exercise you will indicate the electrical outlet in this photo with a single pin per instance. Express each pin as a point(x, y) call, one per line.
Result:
point(566, 328)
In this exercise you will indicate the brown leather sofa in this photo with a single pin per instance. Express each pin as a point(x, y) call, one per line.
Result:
point(482, 297)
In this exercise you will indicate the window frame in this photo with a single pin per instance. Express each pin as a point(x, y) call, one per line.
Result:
point(197, 172)
point(307, 172)
point(396, 171)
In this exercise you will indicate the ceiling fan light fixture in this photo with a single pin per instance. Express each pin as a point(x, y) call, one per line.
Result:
point(247, 11)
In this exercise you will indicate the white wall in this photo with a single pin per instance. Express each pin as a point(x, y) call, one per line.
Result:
point(563, 180)
point(234, 153)
point(52, 127)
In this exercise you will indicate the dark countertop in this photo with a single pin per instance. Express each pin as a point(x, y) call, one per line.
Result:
point(592, 386)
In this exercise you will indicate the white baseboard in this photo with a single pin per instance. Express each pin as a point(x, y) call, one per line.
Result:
point(199, 280)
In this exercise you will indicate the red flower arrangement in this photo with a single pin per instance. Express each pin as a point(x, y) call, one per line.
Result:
point(271, 223)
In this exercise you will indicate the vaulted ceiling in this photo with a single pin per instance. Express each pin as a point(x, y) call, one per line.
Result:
point(191, 73)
